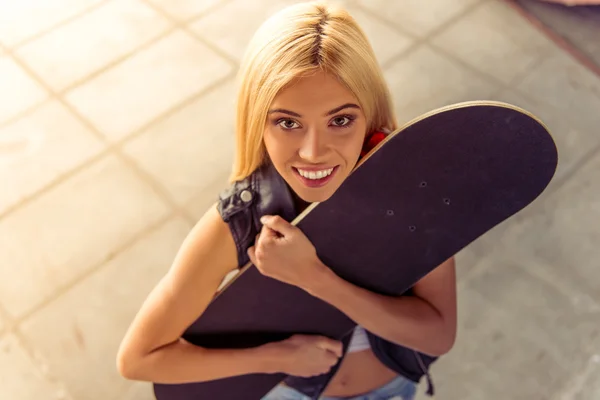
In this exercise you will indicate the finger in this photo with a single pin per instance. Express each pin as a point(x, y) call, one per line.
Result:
point(278, 224)
point(252, 254)
point(331, 345)
point(331, 358)
point(268, 233)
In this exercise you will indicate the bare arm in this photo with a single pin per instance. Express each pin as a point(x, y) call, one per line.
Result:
point(425, 322)
point(153, 350)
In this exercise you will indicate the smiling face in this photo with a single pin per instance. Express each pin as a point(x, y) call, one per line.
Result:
point(314, 133)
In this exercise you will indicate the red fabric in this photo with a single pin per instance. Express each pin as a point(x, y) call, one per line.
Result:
point(372, 140)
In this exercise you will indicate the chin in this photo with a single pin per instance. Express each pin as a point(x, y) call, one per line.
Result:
point(314, 197)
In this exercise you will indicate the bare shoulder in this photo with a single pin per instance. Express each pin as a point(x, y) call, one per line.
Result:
point(206, 255)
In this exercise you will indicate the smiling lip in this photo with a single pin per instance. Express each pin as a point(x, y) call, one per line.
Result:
point(315, 183)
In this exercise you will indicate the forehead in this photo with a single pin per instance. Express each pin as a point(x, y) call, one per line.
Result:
point(318, 91)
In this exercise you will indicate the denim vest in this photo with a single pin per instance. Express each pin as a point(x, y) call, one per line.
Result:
point(265, 192)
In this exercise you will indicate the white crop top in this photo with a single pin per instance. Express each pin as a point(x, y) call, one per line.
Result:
point(359, 340)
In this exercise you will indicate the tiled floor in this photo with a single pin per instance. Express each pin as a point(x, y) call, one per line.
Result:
point(116, 125)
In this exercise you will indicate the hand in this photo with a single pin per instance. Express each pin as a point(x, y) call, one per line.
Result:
point(307, 355)
point(283, 252)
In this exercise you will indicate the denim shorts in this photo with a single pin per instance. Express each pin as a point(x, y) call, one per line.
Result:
point(398, 389)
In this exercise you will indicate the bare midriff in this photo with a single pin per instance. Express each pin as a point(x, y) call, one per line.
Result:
point(359, 373)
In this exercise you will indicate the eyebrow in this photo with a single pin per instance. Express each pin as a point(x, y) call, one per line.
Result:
point(335, 110)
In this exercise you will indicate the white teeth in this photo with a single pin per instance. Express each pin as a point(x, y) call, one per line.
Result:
point(315, 174)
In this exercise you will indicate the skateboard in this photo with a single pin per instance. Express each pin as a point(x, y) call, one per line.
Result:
point(423, 194)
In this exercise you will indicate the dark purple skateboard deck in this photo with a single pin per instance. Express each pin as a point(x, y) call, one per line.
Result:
point(425, 193)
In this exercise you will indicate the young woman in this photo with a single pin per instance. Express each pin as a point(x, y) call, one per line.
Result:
point(311, 100)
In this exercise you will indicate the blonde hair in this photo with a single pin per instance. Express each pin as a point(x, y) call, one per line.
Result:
point(297, 40)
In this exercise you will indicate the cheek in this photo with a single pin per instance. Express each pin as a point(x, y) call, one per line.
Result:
point(353, 146)
point(276, 148)
point(268, 141)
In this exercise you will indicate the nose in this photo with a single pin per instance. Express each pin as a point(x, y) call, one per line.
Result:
point(313, 148)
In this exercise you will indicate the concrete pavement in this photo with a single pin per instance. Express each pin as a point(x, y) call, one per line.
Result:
point(115, 121)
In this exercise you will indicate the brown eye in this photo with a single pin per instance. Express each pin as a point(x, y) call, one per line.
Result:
point(287, 123)
point(342, 121)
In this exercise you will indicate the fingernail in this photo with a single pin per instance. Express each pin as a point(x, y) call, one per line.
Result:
point(263, 219)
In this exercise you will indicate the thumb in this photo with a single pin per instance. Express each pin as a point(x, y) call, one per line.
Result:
point(252, 255)
point(278, 224)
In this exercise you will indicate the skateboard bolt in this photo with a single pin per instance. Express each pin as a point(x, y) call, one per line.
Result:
point(390, 212)
point(412, 228)
point(423, 184)
point(447, 200)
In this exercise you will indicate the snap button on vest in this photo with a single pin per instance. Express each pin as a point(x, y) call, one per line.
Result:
point(246, 196)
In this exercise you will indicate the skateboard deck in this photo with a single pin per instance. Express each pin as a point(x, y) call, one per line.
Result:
point(419, 197)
